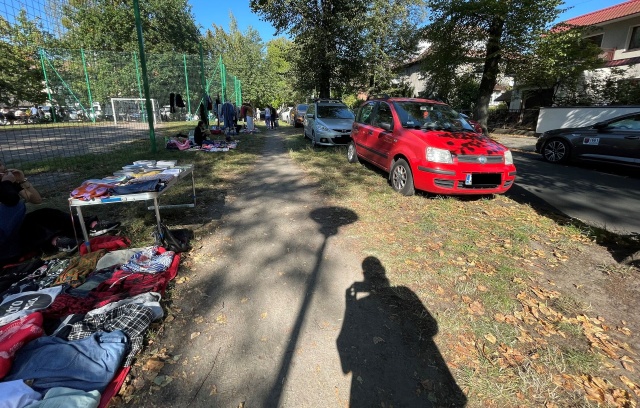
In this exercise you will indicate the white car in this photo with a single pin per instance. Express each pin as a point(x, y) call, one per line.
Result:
point(285, 114)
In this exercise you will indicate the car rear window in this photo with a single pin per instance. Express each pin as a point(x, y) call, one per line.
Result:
point(302, 107)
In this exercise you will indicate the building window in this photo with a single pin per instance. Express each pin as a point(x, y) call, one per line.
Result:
point(596, 39)
point(635, 38)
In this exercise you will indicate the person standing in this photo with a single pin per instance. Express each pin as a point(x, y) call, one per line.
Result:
point(274, 117)
point(267, 117)
point(249, 117)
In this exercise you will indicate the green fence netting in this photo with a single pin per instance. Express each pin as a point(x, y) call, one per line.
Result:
point(60, 105)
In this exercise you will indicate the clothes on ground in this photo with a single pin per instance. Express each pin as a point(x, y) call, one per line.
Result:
point(15, 335)
point(147, 299)
point(79, 267)
point(116, 258)
point(149, 260)
point(63, 397)
point(17, 394)
point(22, 304)
point(87, 364)
point(132, 319)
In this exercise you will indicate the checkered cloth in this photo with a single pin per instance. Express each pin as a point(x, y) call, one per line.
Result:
point(133, 319)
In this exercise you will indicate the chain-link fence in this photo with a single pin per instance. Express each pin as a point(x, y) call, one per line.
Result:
point(58, 104)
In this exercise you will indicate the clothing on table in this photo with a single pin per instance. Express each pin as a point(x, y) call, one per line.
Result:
point(88, 364)
point(17, 394)
point(59, 397)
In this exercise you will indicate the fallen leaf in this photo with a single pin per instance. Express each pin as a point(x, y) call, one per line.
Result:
point(194, 335)
point(153, 364)
point(214, 390)
point(263, 315)
point(491, 338)
point(377, 340)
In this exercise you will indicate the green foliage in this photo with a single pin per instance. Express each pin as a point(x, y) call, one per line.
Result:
point(21, 75)
point(557, 61)
point(243, 55)
point(347, 45)
point(480, 36)
point(168, 26)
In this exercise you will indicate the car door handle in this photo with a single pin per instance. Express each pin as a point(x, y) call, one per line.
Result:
point(632, 137)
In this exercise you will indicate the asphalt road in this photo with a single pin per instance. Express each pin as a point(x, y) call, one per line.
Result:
point(599, 195)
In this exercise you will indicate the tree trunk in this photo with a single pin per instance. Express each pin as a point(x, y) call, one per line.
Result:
point(490, 72)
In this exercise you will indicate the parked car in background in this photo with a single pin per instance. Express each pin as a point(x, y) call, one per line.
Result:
point(426, 145)
point(615, 140)
point(328, 122)
point(285, 114)
point(298, 114)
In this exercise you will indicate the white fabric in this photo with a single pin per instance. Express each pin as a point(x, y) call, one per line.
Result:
point(119, 257)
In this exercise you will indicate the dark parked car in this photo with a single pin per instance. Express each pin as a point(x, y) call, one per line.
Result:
point(615, 140)
point(298, 114)
point(426, 145)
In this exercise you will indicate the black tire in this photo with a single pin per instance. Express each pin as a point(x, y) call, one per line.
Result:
point(556, 151)
point(401, 178)
point(352, 155)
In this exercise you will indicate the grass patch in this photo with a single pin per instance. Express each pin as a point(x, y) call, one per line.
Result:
point(468, 259)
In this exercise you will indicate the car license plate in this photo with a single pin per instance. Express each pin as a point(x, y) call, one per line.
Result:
point(594, 141)
point(467, 180)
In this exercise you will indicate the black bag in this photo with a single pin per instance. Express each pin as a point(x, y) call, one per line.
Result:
point(173, 240)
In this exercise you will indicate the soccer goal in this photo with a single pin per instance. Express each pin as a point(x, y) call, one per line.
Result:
point(131, 110)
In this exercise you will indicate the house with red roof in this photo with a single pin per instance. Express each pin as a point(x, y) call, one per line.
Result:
point(616, 29)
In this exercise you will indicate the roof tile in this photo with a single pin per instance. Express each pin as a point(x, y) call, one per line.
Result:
point(607, 14)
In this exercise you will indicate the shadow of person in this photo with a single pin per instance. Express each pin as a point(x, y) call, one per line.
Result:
point(386, 343)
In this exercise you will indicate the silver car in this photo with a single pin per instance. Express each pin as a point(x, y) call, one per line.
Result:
point(328, 122)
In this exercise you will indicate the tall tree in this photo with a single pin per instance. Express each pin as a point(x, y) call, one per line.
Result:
point(487, 31)
point(557, 62)
point(109, 25)
point(243, 56)
point(21, 78)
point(341, 43)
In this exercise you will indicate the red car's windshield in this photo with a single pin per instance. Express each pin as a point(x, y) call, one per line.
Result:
point(417, 115)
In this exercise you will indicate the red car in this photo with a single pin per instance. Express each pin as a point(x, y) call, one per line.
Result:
point(426, 145)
